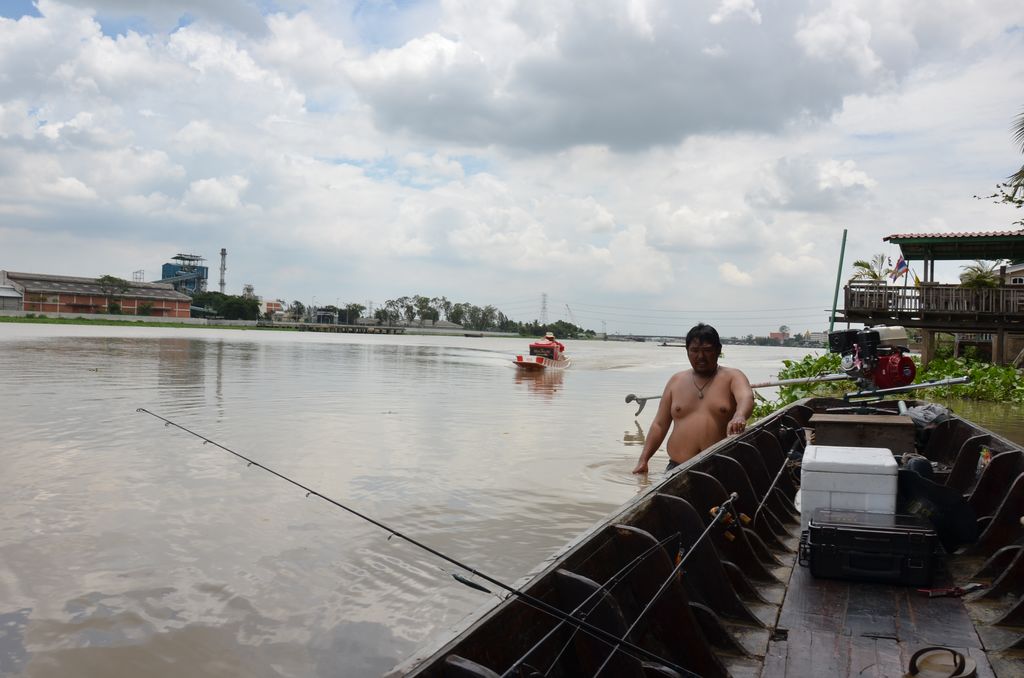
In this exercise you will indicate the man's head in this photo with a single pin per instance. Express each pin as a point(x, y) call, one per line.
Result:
point(703, 346)
point(549, 335)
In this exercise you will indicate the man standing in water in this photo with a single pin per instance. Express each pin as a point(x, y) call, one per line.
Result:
point(702, 405)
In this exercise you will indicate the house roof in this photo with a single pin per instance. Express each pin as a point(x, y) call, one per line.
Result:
point(42, 282)
point(960, 246)
point(9, 292)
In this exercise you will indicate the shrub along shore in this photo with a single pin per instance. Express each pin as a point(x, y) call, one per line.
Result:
point(991, 383)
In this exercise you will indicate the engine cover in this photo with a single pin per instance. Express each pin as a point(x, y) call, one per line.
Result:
point(896, 369)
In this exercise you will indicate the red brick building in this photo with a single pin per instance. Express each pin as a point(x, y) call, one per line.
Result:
point(43, 293)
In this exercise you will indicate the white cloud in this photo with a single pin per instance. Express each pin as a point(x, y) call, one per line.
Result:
point(731, 274)
point(215, 194)
point(614, 152)
point(730, 8)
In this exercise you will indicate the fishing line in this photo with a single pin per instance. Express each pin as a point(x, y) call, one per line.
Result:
point(536, 603)
point(726, 508)
point(610, 584)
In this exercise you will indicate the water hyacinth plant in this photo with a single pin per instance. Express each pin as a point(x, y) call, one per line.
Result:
point(993, 383)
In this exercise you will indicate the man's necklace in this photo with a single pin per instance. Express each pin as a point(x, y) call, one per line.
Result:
point(700, 389)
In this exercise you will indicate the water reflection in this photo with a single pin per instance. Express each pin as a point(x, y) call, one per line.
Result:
point(638, 438)
point(542, 382)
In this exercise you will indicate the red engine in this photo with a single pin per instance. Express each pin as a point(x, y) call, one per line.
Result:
point(895, 369)
point(874, 356)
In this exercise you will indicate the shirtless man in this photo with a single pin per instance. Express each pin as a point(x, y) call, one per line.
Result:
point(701, 405)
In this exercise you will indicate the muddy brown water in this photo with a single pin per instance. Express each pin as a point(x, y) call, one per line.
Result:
point(128, 548)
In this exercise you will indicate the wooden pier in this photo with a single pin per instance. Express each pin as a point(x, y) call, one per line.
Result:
point(933, 307)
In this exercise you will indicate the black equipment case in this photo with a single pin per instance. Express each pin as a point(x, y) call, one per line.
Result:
point(878, 547)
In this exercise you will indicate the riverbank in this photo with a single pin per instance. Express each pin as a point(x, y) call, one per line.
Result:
point(219, 323)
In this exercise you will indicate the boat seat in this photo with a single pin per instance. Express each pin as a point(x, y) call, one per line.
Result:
point(994, 481)
point(946, 439)
point(965, 466)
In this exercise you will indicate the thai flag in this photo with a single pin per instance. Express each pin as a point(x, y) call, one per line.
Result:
point(902, 267)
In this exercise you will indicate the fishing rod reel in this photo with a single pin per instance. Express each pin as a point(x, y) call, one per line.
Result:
point(875, 357)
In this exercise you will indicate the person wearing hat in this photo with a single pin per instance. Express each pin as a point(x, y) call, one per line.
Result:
point(550, 337)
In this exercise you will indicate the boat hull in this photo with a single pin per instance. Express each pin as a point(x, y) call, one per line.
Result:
point(743, 605)
point(537, 362)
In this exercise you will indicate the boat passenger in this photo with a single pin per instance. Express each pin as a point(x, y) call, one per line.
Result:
point(701, 405)
point(550, 338)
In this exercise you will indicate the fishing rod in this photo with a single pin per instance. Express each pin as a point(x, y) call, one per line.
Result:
point(726, 508)
point(608, 586)
point(532, 601)
point(642, 400)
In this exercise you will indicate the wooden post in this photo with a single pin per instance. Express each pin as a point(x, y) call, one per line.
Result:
point(999, 347)
point(927, 347)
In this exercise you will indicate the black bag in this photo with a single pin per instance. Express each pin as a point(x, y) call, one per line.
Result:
point(879, 547)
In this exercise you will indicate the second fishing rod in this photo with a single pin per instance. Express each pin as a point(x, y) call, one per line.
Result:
point(584, 626)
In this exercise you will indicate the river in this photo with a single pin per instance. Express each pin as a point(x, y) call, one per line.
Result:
point(128, 548)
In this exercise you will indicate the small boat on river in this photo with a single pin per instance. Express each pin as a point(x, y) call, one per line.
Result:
point(706, 572)
point(543, 355)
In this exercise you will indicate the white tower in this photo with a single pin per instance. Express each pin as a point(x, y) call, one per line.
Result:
point(223, 267)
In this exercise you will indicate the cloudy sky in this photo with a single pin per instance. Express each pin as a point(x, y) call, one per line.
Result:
point(646, 164)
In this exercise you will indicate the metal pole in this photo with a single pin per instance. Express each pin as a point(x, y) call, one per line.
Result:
point(839, 276)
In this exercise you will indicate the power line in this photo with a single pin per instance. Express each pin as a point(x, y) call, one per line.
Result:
point(718, 310)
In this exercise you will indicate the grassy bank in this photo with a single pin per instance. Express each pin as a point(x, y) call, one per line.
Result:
point(43, 320)
point(989, 383)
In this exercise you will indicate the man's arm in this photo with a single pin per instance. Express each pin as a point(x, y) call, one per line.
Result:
point(744, 396)
point(659, 428)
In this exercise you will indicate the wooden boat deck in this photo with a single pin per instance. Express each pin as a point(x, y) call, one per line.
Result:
point(742, 605)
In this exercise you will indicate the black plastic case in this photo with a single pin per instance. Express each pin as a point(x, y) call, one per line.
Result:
point(878, 547)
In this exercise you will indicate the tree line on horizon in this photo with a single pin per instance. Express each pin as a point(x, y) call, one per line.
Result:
point(418, 308)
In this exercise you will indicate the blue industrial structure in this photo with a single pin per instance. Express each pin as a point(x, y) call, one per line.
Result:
point(185, 273)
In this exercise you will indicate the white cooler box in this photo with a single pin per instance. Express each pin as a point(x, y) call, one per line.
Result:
point(858, 478)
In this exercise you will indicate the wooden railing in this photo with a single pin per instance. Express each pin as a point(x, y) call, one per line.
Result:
point(930, 297)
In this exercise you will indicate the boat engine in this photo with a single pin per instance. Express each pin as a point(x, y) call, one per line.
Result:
point(876, 356)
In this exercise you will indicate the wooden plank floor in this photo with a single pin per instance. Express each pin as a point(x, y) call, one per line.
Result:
point(830, 627)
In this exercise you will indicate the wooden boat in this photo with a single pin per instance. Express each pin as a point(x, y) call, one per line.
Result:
point(612, 603)
point(543, 355)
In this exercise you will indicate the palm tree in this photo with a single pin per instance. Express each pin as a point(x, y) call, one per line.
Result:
point(980, 274)
point(1016, 181)
point(874, 269)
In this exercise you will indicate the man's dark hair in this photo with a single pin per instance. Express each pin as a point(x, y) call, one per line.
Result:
point(704, 334)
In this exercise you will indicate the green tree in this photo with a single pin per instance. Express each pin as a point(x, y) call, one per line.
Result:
point(874, 269)
point(353, 312)
point(1011, 191)
point(112, 288)
point(980, 274)
point(240, 308)
point(1016, 182)
point(296, 310)
point(424, 309)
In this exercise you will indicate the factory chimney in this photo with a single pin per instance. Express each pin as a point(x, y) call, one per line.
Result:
point(223, 267)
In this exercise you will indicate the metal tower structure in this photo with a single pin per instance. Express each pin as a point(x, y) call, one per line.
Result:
point(186, 273)
point(223, 267)
point(139, 275)
point(572, 317)
point(544, 308)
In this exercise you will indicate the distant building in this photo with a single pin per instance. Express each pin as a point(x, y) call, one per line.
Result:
point(186, 274)
point(778, 336)
point(1015, 274)
point(10, 298)
point(44, 293)
point(817, 337)
point(274, 307)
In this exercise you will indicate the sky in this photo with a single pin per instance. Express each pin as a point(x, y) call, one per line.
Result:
point(631, 166)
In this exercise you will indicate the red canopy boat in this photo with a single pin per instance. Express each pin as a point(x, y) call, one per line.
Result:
point(543, 354)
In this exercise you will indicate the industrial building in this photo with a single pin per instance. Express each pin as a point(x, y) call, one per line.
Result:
point(44, 293)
